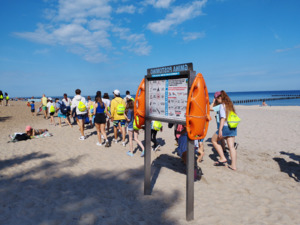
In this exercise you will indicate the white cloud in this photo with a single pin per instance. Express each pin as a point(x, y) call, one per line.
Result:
point(178, 15)
point(84, 27)
point(72, 9)
point(126, 9)
point(41, 51)
point(159, 3)
point(163, 3)
point(287, 49)
point(190, 36)
point(99, 24)
point(136, 43)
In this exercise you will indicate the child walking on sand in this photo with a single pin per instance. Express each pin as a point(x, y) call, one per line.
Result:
point(90, 110)
point(51, 108)
point(132, 130)
point(225, 132)
point(32, 108)
point(100, 120)
point(199, 147)
point(155, 126)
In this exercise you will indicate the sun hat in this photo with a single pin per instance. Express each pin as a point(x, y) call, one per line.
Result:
point(28, 128)
point(116, 92)
point(217, 94)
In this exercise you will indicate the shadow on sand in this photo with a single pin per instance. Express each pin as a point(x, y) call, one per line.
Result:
point(167, 161)
point(44, 194)
point(290, 167)
point(4, 118)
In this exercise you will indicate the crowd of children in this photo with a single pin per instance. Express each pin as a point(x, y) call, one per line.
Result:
point(120, 112)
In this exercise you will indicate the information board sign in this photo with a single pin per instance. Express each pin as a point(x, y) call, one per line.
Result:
point(168, 98)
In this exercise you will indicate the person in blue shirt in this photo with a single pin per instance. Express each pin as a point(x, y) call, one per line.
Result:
point(32, 108)
point(60, 114)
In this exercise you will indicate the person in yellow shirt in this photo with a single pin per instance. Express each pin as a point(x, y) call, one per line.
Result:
point(117, 108)
point(44, 102)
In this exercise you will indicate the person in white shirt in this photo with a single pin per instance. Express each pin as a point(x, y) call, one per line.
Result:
point(127, 97)
point(80, 104)
point(51, 110)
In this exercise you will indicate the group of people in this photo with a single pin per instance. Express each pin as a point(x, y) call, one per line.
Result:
point(3, 97)
point(98, 113)
point(120, 112)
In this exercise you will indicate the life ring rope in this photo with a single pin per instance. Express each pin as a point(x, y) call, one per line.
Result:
point(197, 123)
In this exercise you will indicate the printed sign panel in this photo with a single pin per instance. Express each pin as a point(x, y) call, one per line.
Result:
point(168, 98)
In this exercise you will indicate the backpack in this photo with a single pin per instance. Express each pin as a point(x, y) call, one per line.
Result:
point(52, 109)
point(134, 123)
point(233, 120)
point(197, 173)
point(81, 106)
point(120, 109)
point(157, 125)
point(63, 108)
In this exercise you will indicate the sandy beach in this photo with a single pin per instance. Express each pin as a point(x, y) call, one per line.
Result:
point(62, 180)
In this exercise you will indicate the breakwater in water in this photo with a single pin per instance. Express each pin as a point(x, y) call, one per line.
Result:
point(265, 99)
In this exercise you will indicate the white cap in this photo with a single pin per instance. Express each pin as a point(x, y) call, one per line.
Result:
point(116, 92)
point(50, 98)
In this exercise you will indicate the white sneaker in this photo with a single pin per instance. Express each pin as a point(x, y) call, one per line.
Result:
point(115, 140)
point(157, 147)
point(99, 144)
point(123, 143)
point(82, 138)
point(102, 136)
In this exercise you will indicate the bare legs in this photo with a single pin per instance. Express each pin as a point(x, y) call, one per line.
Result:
point(130, 132)
point(200, 151)
point(232, 150)
point(100, 130)
point(122, 132)
point(218, 148)
point(81, 126)
point(135, 136)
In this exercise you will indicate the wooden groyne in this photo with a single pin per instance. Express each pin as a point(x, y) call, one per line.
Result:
point(265, 99)
point(298, 95)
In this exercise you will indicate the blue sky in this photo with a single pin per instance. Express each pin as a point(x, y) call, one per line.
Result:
point(56, 46)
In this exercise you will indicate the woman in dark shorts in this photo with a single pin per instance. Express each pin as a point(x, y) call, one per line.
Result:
point(100, 119)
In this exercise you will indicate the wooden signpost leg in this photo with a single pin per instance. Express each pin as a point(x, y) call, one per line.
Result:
point(190, 181)
point(147, 158)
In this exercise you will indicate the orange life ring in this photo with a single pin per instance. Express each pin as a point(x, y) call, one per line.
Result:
point(139, 105)
point(197, 110)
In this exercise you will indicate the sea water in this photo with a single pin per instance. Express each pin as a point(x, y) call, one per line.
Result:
point(242, 96)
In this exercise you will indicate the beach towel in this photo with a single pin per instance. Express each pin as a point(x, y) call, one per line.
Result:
point(43, 135)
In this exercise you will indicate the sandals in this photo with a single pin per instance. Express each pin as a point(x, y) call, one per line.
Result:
point(220, 163)
point(229, 167)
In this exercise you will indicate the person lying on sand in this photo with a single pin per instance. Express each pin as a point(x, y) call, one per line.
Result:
point(34, 132)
